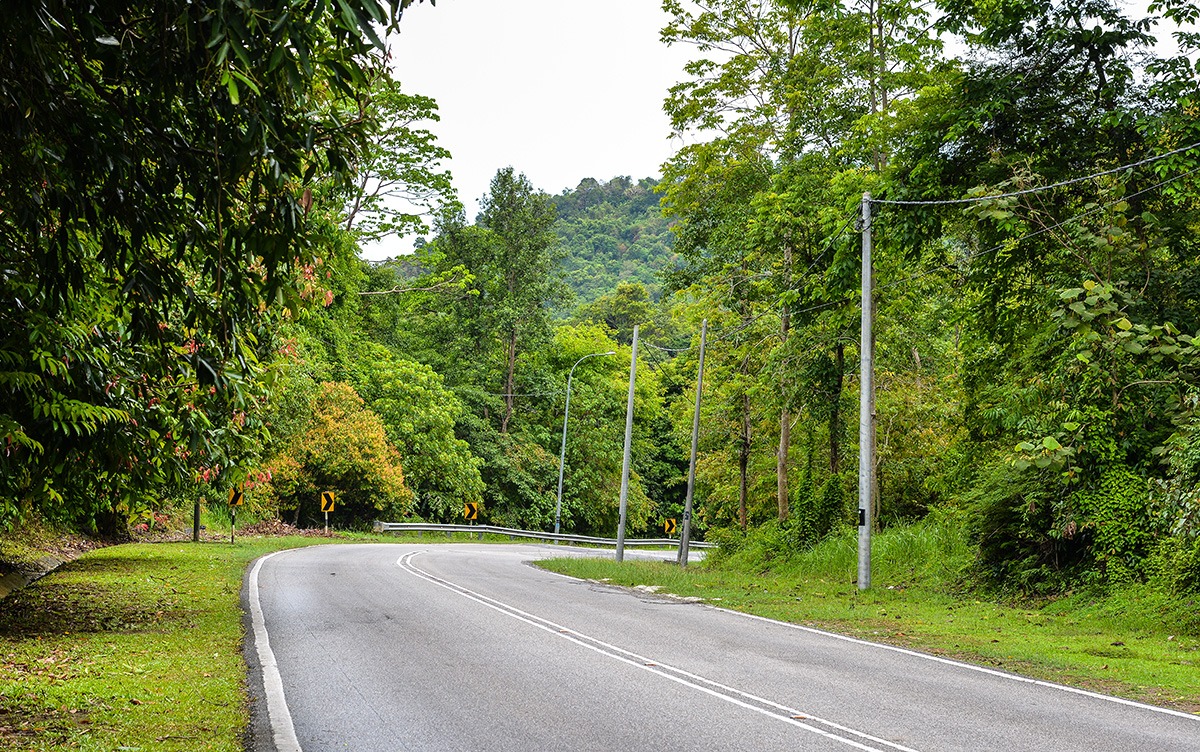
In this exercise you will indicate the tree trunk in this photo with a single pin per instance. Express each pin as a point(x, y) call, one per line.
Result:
point(835, 412)
point(785, 418)
point(508, 381)
point(781, 466)
point(875, 497)
point(744, 461)
point(744, 452)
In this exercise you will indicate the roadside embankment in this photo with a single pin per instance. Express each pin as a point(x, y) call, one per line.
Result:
point(133, 646)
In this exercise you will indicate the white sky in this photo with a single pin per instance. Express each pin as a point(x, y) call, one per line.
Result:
point(560, 90)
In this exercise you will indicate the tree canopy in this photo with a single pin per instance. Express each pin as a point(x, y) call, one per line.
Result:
point(185, 191)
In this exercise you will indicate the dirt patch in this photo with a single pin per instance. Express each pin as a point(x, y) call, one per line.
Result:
point(22, 725)
point(58, 609)
point(265, 529)
point(39, 557)
point(272, 528)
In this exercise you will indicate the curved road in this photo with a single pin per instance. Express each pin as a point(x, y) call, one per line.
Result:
point(466, 647)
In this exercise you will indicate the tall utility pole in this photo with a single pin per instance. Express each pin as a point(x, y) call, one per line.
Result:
point(685, 534)
point(866, 406)
point(628, 450)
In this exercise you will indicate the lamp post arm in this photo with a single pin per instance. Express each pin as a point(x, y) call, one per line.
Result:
point(562, 455)
point(562, 452)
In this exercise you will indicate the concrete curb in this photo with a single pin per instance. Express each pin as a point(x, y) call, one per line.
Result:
point(23, 575)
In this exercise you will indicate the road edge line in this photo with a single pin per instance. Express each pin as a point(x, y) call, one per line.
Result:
point(657, 668)
point(1019, 678)
point(963, 664)
point(279, 716)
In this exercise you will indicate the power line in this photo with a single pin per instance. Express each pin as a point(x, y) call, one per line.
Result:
point(669, 349)
point(1043, 230)
point(1038, 189)
point(1027, 236)
point(529, 394)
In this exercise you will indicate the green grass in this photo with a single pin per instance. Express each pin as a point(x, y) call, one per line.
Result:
point(132, 647)
point(1137, 642)
point(136, 647)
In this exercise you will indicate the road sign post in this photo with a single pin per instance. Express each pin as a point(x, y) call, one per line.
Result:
point(471, 514)
point(327, 507)
point(236, 497)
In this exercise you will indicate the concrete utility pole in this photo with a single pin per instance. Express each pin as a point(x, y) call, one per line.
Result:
point(866, 406)
point(685, 534)
point(628, 450)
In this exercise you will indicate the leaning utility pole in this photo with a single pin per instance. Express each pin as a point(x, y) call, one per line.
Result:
point(685, 534)
point(628, 450)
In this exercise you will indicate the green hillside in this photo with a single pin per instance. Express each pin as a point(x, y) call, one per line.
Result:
point(612, 232)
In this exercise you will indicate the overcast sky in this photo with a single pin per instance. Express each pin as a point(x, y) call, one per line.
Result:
point(560, 90)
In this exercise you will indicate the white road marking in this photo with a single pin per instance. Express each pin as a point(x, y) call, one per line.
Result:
point(278, 714)
point(952, 662)
point(968, 666)
point(693, 681)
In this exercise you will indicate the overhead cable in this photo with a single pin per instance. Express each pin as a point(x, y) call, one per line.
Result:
point(1044, 230)
point(1036, 189)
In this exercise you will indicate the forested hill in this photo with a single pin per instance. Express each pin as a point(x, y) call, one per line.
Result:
point(612, 232)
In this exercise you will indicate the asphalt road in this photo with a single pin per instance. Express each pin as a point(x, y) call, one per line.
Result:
point(467, 647)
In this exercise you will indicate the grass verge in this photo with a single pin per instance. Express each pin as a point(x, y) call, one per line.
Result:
point(132, 647)
point(1137, 642)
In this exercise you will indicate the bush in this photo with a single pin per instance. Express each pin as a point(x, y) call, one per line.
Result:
point(342, 448)
point(1175, 565)
point(935, 550)
point(1116, 511)
point(1026, 539)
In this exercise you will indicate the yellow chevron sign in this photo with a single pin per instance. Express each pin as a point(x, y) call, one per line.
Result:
point(471, 511)
point(327, 501)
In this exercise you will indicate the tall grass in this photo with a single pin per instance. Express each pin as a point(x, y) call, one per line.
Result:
point(933, 551)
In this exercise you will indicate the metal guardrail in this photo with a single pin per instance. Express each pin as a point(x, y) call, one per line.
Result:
point(429, 527)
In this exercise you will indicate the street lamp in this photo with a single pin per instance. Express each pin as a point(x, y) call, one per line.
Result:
point(562, 455)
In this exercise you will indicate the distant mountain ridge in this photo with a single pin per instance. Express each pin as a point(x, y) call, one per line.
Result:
point(613, 232)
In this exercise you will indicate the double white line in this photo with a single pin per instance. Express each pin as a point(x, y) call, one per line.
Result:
point(795, 717)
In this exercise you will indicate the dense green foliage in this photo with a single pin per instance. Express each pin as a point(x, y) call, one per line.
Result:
point(1034, 362)
point(156, 207)
point(612, 233)
point(342, 447)
point(1035, 304)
